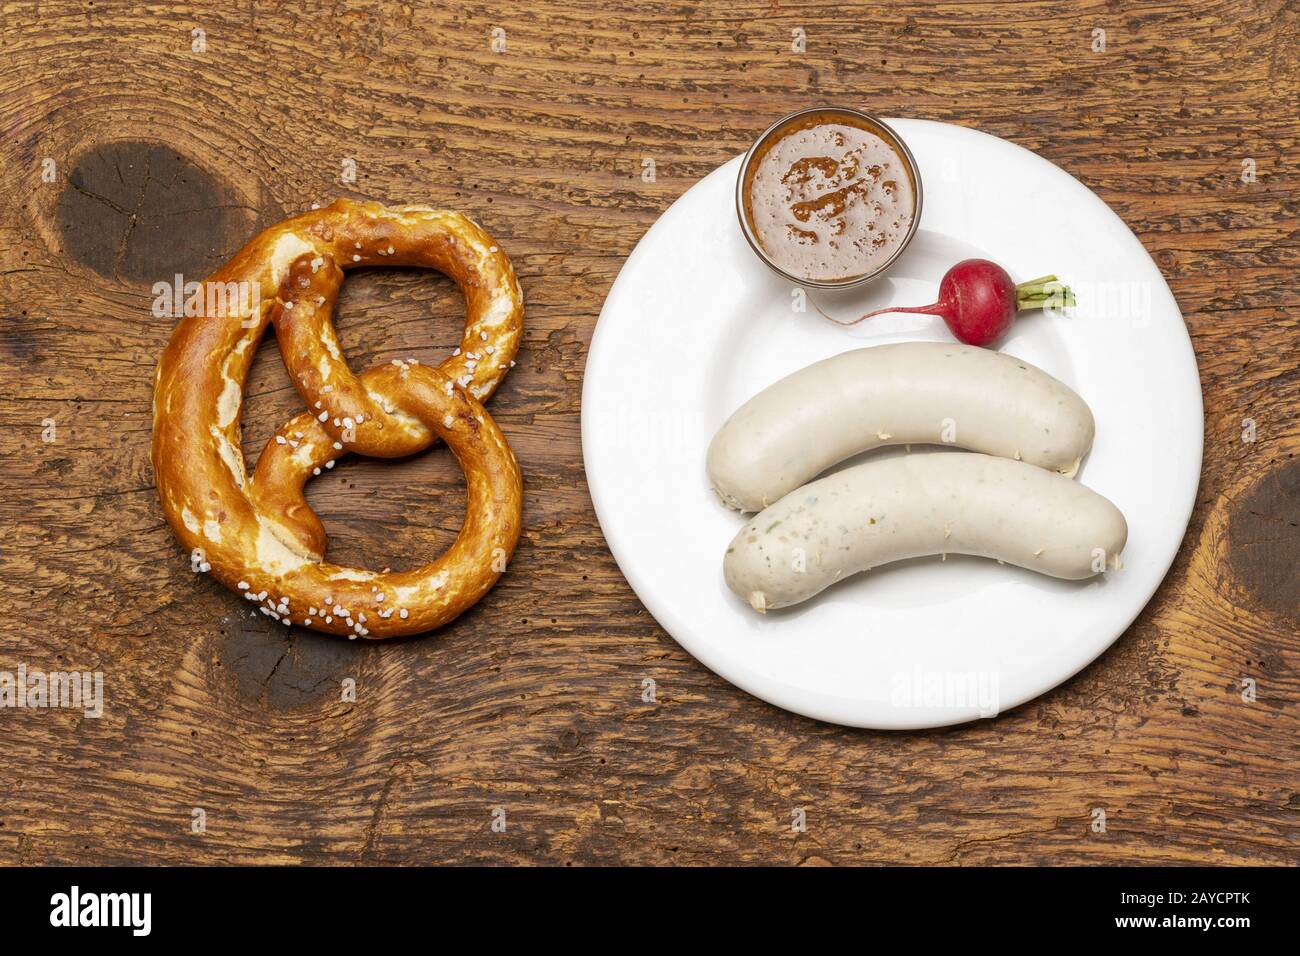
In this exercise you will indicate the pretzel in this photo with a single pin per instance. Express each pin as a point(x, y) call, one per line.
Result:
point(258, 535)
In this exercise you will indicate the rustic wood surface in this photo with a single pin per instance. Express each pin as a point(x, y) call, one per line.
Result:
point(166, 158)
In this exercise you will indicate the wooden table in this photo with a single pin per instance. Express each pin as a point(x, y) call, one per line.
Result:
point(135, 148)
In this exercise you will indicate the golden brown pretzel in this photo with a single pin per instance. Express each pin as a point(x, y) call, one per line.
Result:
point(259, 536)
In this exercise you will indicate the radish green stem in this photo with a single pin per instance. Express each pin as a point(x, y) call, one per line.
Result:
point(1027, 290)
point(1061, 293)
point(1041, 292)
point(1045, 300)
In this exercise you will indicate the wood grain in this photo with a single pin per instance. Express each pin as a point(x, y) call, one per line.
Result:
point(167, 159)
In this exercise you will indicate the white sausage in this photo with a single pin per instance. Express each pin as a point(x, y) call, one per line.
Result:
point(927, 503)
point(912, 393)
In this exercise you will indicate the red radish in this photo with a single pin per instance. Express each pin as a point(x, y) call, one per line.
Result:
point(978, 300)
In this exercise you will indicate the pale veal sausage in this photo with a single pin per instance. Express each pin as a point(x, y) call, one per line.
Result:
point(911, 393)
point(925, 503)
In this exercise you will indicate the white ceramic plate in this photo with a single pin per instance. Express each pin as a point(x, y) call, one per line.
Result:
point(695, 325)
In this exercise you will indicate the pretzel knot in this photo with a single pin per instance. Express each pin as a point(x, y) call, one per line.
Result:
point(258, 535)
